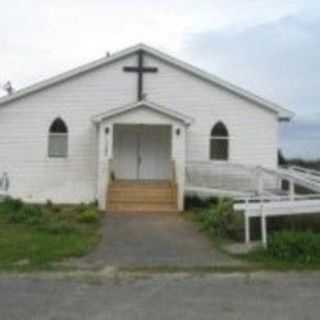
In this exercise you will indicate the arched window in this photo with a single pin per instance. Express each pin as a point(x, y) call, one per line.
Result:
point(58, 139)
point(219, 142)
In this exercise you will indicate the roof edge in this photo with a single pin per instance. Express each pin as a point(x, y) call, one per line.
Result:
point(283, 113)
point(143, 103)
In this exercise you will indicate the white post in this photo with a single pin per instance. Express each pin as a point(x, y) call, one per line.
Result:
point(104, 153)
point(178, 136)
point(279, 183)
point(263, 227)
point(247, 223)
point(291, 190)
point(247, 228)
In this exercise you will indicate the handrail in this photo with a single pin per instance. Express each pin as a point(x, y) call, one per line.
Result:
point(226, 176)
point(207, 164)
point(297, 179)
point(275, 198)
point(305, 170)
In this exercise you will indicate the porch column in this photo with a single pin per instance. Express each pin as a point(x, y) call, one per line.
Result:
point(179, 156)
point(105, 146)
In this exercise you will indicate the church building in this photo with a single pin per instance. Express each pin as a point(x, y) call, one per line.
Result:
point(123, 129)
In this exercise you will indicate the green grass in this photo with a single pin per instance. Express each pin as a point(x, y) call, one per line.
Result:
point(259, 259)
point(60, 234)
point(263, 260)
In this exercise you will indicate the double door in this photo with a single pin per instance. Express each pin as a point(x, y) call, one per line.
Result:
point(142, 152)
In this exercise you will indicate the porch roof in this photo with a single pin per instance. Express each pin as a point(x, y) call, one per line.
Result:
point(143, 104)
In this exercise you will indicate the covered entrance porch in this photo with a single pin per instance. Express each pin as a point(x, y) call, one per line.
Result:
point(141, 158)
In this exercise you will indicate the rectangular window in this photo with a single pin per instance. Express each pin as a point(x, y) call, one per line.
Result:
point(58, 145)
point(219, 149)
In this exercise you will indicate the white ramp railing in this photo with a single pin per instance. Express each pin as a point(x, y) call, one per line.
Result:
point(265, 206)
point(220, 179)
point(309, 174)
point(257, 191)
point(293, 177)
point(273, 206)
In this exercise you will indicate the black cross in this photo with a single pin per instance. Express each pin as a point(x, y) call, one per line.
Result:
point(140, 70)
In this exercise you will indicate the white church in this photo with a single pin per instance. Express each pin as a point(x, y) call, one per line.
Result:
point(135, 131)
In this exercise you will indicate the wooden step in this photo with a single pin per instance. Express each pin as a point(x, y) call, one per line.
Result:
point(152, 196)
point(141, 184)
point(136, 196)
point(141, 207)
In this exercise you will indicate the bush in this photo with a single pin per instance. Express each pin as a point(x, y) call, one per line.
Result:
point(220, 219)
point(299, 247)
point(52, 207)
point(28, 214)
point(9, 205)
point(88, 216)
point(195, 202)
point(33, 214)
point(82, 207)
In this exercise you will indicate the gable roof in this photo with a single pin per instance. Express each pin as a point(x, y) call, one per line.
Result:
point(283, 114)
point(144, 103)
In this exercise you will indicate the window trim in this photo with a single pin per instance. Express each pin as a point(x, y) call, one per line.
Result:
point(219, 138)
point(58, 134)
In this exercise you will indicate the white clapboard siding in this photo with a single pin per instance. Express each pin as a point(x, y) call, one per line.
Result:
point(24, 125)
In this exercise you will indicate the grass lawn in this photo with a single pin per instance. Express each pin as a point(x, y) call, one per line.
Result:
point(263, 260)
point(34, 237)
point(297, 251)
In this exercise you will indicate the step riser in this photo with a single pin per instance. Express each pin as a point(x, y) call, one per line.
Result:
point(120, 207)
point(141, 198)
point(145, 197)
point(137, 201)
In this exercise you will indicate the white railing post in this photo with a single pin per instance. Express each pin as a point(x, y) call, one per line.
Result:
point(247, 228)
point(246, 223)
point(291, 190)
point(263, 227)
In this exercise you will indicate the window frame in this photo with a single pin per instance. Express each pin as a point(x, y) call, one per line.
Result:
point(225, 138)
point(52, 135)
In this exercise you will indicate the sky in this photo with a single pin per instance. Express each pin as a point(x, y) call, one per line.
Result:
point(270, 47)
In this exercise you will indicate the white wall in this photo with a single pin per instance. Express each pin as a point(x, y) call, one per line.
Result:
point(253, 130)
point(24, 126)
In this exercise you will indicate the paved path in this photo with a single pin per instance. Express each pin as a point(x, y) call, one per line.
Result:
point(263, 297)
point(145, 240)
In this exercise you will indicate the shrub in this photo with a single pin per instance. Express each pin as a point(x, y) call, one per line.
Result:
point(195, 202)
point(82, 207)
point(88, 216)
point(49, 204)
point(33, 214)
point(220, 219)
point(290, 246)
point(9, 205)
point(29, 214)
point(52, 207)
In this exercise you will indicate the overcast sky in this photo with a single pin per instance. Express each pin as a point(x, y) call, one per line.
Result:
point(271, 47)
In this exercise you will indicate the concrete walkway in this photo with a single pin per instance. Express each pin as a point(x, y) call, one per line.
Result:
point(154, 240)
